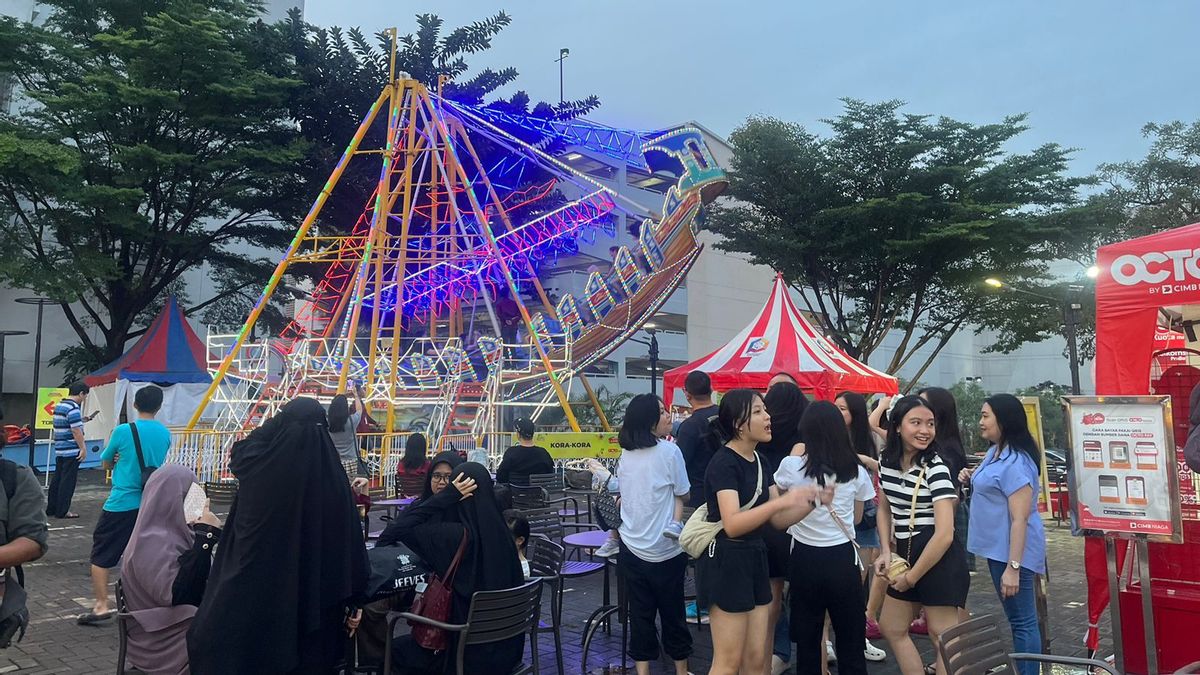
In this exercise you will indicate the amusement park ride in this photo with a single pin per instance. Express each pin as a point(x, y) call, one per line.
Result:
point(445, 239)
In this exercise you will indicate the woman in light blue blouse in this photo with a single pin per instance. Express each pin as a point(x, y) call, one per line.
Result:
point(1004, 489)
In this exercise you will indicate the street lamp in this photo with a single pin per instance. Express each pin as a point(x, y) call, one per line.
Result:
point(562, 56)
point(1070, 308)
point(652, 343)
point(37, 366)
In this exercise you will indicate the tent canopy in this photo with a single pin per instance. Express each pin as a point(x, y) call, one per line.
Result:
point(778, 340)
point(169, 352)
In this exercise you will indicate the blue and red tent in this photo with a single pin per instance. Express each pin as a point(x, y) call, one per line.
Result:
point(169, 352)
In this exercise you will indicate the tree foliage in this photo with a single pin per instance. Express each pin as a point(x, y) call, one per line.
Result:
point(154, 137)
point(889, 225)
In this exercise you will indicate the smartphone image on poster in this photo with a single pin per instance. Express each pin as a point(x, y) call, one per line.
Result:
point(1093, 454)
point(193, 503)
point(1135, 490)
point(1110, 489)
point(1118, 455)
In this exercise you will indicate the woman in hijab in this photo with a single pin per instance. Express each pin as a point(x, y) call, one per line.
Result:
point(292, 563)
point(433, 529)
point(164, 572)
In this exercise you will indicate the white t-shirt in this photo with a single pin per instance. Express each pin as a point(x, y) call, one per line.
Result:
point(651, 479)
point(818, 528)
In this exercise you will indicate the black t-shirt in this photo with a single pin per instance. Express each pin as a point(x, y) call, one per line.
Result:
point(520, 461)
point(730, 471)
point(697, 444)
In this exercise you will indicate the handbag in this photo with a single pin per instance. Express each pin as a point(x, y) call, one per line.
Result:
point(137, 446)
point(608, 511)
point(698, 534)
point(897, 566)
point(578, 479)
point(434, 603)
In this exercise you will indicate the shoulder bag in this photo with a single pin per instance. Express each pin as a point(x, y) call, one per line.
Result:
point(608, 511)
point(137, 446)
point(435, 603)
point(897, 566)
point(698, 534)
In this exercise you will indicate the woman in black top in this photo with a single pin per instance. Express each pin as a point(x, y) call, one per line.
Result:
point(433, 529)
point(524, 459)
point(733, 572)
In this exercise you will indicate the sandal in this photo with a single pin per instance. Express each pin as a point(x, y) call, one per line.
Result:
point(93, 619)
point(931, 669)
point(71, 515)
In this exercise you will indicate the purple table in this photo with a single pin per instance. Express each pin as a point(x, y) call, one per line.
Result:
point(589, 539)
point(393, 505)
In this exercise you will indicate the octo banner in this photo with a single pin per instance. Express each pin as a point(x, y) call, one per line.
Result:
point(579, 445)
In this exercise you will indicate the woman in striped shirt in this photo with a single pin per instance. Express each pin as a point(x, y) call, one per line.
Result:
point(916, 521)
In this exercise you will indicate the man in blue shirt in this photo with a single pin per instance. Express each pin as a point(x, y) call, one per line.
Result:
point(121, 509)
point(69, 450)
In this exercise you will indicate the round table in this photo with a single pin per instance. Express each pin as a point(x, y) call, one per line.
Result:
point(589, 539)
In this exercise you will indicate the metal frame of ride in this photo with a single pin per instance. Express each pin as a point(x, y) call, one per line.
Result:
point(435, 238)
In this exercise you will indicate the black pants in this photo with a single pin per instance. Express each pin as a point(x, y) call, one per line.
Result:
point(825, 579)
point(62, 486)
point(655, 588)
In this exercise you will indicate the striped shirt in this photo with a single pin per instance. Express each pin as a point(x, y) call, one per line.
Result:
point(67, 416)
point(898, 486)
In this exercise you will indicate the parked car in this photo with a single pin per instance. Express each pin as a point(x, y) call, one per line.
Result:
point(1057, 463)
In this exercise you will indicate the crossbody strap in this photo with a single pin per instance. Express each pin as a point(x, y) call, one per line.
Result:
point(453, 568)
point(757, 484)
point(912, 511)
point(137, 445)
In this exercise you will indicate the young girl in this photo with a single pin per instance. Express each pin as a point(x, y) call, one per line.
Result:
point(825, 567)
point(654, 481)
point(917, 518)
point(734, 582)
point(520, 532)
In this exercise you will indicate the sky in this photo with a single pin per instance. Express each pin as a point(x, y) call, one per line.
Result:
point(1089, 73)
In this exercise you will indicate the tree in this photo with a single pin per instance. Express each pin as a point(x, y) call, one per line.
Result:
point(889, 225)
point(1157, 192)
point(613, 404)
point(969, 397)
point(155, 137)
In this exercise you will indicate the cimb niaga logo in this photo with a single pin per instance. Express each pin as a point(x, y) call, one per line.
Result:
point(1177, 270)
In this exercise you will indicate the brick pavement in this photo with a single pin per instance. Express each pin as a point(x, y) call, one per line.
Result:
point(59, 590)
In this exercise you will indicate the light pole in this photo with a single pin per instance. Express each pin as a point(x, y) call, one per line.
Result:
point(1070, 307)
point(4, 335)
point(652, 343)
point(37, 366)
point(562, 56)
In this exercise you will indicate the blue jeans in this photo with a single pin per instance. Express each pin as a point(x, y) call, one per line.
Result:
point(1021, 611)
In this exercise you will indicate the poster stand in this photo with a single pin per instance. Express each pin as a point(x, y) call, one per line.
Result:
point(1125, 486)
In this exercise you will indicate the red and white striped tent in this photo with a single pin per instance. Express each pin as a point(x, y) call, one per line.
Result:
point(778, 340)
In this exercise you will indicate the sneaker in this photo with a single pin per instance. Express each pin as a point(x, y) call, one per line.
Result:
point(673, 530)
point(778, 665)
point(691, 613)
point(918, 626)
point(610, 548)
point(830, 655)
point(873, 653)
point(873, 632)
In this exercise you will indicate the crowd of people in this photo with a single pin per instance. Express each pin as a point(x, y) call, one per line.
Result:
point(817, 526)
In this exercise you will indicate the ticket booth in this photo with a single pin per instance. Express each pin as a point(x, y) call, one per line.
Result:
point(1143, 284)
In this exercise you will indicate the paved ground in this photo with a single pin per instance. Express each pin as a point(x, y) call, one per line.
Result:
point(59, 586)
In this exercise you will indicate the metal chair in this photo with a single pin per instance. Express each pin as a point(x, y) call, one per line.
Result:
point(536, 497)
point(493, 616)
point(545, 562)
point(123, 618)
point(978, 647)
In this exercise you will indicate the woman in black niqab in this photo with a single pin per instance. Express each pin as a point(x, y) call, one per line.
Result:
point(433, 529)
point(291, 561)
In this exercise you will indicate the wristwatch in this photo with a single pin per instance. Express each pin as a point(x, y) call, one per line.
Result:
point(1015, 564)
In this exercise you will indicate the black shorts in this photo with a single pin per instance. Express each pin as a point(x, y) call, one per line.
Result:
point(734, 578)
point(945, 584)
point(111, 536)
point(779, 552)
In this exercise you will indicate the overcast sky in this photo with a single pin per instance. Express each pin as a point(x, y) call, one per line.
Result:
point(1089, 72)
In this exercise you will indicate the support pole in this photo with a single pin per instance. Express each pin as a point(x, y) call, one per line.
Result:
point(281, 268)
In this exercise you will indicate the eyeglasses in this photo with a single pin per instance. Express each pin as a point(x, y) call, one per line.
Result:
point(441, 477)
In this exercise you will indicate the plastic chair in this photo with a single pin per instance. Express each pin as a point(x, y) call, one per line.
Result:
point(493, 616)
point(978, 647)
point(123, 618)
point(546, 562)
point(536, 497)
